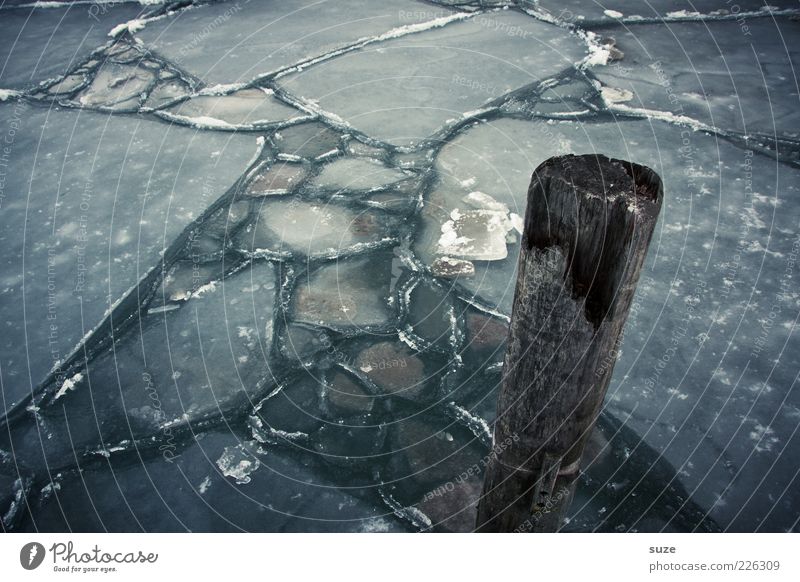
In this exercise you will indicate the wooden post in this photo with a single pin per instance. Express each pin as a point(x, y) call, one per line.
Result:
point(588, 224)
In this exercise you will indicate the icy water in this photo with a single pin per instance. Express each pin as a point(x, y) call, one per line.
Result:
point(259, 258)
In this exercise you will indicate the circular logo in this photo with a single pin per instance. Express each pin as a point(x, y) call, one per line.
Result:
point(31, 555)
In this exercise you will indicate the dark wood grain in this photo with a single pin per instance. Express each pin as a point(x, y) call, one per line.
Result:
point(588, 225)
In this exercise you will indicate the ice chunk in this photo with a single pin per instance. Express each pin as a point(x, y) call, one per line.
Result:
point(345, 396)
point(245, 108)
point(485, 339)
point(277, 179)
point(450, 268)
point(68, 385)
point(68, 84)
point(357, 174)
point(353, 443)
point(395, 369)
point(476, 235)
point(300, 342)
point(238, 462)
point(15, 486)
point(430, 451)
point(356, 148)
point(117, 86)
point(483, 201)
point(612, 95)
point(455, 508)
point(307, 140)
point(292, 409)
point(430, 314)
point(167, 92)
point(6, 94)
point(228, 329)
point(352, 293)
point(314, 229)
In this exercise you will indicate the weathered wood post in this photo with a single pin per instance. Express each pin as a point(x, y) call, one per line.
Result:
point(588, 224)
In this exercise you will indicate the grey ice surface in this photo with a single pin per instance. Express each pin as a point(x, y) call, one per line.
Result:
point(234, 42)
point(437, 76)
point(42, 43)
point(736, 85)
point(612, 11)
point(92, 200)
point(259, 258)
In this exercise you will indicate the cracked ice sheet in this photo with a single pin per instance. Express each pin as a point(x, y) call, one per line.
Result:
point(190, 492)
point(233, 42)
point(713, 72)
point(711, 231)
point(575, 11)
point(121, 190)
point(249, 107)
point(207, 358)
point(403, 90)
point(41, 43)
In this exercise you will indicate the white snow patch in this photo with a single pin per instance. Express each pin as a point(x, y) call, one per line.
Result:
point(203, 289)
point(599, 53)
point(477, 112)
point(238, 463)
point(131, 26)
point(476, 235)
point(667, 116)
point(221, 89)
point(6, 94)
point(611, 95)
point(421, 26)
point(203, 487)
point(764, 438)
point(68, 385)
point(682, 14)
point(203, 121)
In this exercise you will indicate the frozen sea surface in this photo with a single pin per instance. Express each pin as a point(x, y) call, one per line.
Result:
point(260, 258)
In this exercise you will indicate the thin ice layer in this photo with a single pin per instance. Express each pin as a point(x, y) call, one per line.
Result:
point(443, 75)
point(42, 43)
point(314, 229)
point(712, 73)
point(723, 209)
point(88, 214)
point(192, 493)
point(356, 174)
point(346, 294)
point(248, 107)
point(175, 368)
point(240, 41)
